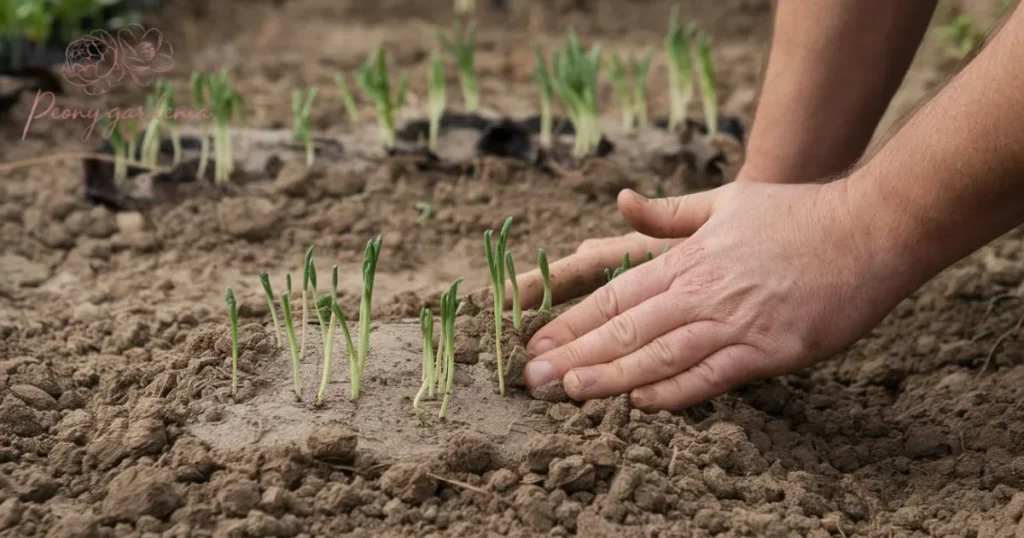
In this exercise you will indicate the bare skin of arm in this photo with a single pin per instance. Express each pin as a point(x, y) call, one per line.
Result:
point(832, 70)
point(774, 277)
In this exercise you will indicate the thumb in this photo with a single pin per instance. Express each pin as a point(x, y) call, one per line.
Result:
point(679, 216)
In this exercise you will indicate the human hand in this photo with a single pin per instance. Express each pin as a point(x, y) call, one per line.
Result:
point(772, 278)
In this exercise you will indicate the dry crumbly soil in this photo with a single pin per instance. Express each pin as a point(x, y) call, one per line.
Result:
point(115, 412)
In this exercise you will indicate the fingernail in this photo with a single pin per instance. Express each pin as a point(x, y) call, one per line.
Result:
point(639, 196)
point(541, 347)
point(641, 398)
point(539, 373)
point(584, 378)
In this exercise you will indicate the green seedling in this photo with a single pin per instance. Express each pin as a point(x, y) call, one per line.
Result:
point(325, 313)
point(639, 70)
point(449, 311)
point(225, 104)
point(307, 275)
point(708, 86)
point(680, 69)
point(370, 257)
point(269, 291)
point(517, 308)
point(373, 78)
point(621, 85)
point(302, 108)
point(496, 265)
point(426, 208)
point(198, 87)
point(159, 103)
point(546, 87)
point(436, 96)
point(351, 110)
point(340, 321)
point(229, 298)
point(963, 35)
point(324, 304)
point(429, 378)
point(610, 274)
point(575, 82)
point(293, 344)
point(461, 47)
point(119, 143)
point(542, 263)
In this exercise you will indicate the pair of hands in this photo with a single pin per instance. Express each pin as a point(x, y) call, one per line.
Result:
point(770, 278)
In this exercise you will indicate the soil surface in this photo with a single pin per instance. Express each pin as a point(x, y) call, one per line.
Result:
point(116, 417)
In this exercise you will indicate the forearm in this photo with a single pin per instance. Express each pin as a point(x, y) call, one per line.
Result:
point(832, 69)
point(952, 178)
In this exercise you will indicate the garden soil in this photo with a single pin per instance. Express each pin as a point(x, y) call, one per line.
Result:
point(116, 417)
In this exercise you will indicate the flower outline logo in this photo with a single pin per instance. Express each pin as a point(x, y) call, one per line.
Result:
point(98, 62)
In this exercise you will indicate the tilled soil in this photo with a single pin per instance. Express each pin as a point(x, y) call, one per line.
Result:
point(115, 411)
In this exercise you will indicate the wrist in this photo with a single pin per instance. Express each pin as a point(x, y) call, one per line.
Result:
point(897, 241)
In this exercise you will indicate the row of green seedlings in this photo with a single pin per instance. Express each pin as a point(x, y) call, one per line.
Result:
point(210, 91)
point(613, 273)
point(439, 366)
point(34, 21)
point(573, 77)
point(374, 79)
point(330, 317)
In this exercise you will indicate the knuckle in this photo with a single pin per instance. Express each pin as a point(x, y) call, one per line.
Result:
point(711, 376)
point(606, 302)
point(661, 354)
point(623, 330)
point(574, 356)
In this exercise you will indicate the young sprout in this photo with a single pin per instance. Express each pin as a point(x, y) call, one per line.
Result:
point(198, 85)
point(324, 303)
point(542, 263)
point(302, 107)
point(546, 86)
point(680, 69)
point(226, 104)
point(373, 78)
point(426, 208)
point(620, 83)
point(496, 265)
point(159, 104)
point(575, 82)
point(293, 344)
point(341, 321)
point(610, 274)
point(370, 257)
point(639, 70)
point(229, 298)
point(461, 47)
point(307, 269)
point(119, 143)
point(269, 291)
point(449, 311)
point(346, 98)
point(706, 76)
point(436, 96)
point(517, 309)
point(429, 377)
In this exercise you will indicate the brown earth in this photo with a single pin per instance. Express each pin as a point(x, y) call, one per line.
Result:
point(115, 413)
